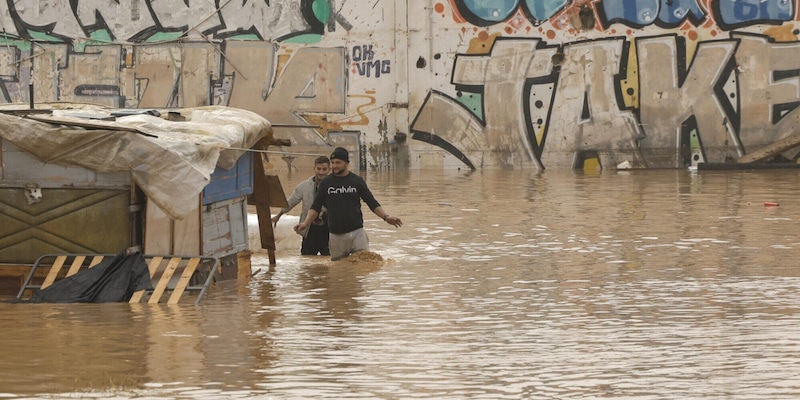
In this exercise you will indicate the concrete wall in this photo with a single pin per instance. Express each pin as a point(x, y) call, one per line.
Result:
point(436, 83)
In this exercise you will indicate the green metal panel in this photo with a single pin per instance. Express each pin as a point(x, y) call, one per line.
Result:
point(64, 221)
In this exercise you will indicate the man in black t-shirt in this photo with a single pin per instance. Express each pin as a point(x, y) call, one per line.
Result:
point(341, 193)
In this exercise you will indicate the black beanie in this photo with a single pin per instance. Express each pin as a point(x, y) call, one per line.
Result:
point(340, 153)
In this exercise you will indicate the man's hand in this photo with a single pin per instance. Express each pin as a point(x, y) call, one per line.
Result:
point(300, 227)
point(275, 219)
point(394, 221)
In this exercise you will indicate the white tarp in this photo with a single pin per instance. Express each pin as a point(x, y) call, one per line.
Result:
point(171, 161)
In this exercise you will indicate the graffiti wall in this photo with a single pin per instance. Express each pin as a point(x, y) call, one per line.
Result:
point(436, 83)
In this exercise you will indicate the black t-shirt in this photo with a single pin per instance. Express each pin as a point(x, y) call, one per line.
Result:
point(341, 196)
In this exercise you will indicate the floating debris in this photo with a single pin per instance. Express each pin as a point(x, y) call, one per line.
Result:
point(364, 257)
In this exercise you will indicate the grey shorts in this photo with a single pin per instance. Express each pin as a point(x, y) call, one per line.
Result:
point(343, 244)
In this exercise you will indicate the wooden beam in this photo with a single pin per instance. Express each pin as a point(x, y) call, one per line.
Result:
point(731, 166)
point(265, 195)
point(771, 150)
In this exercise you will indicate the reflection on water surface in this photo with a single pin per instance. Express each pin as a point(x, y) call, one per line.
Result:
point(502, 284)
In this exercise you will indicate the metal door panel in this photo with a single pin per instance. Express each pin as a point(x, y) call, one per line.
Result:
point(64, 221)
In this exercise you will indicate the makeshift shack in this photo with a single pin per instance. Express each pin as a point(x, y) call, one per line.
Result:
point(87, 179)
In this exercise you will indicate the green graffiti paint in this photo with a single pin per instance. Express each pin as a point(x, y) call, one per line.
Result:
point(304, 39)
point(164, 37)
point(322, 10)
point(248, 36)
point(22, 45)
point(101, 36)
point(97, 37)
point(43, 37)
point(473, 102)
point(694, 141)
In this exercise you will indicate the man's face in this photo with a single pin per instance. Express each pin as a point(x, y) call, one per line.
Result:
point(321, 170)
point(338, 167)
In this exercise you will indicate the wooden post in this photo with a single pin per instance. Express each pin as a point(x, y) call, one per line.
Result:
point(261, 198)
point(267, 192)
point(245, 266)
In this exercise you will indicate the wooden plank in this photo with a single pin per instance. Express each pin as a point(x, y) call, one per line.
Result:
point(161, 287)
point(54, 270)
point(768, 151)
point(76, 265)
point(266, 232)
point(96, 260)
point(243, 261)
point(267, 191)
point(188, 271)
point(277, 197)
point(161, 270)
point(86, 123)
point(745, 167)
point(267, 188)
point(152, 267)
point(186, 233)
point(158, 230)
point(161, 274)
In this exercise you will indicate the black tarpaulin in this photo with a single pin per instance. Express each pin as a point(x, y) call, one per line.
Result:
point(113, 280)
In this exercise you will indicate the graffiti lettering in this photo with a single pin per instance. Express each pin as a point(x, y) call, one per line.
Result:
point(363, 53)
point(640, 13)
point(379, 66)
point(490, 12)
point(192, 74)
point(738, 13)
point(769, 100)
point(517, 80)
point(365, 65)
point(590, 116)
point(730, 14)
point(141, 20)
point(97, 90)
point(312, 83)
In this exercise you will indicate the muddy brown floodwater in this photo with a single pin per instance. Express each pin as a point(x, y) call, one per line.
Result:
point(500, 285)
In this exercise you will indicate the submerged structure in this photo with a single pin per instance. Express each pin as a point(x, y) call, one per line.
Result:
point(78, 179)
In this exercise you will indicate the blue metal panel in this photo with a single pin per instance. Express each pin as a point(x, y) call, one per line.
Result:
point(228, 184)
